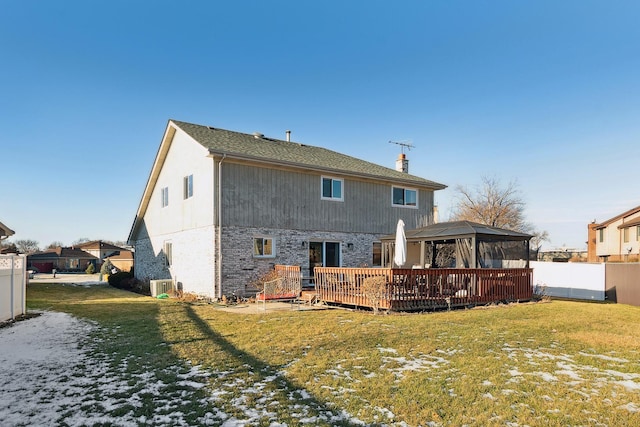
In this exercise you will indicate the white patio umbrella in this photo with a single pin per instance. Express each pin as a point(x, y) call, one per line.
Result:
point(400, 255)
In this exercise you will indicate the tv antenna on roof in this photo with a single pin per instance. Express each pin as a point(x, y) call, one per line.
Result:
point(403, 144)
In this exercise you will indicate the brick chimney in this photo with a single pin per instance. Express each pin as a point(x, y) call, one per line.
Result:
point(402, 164)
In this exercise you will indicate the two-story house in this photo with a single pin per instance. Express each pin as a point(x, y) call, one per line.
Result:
point(220, 208)
point(617, 239)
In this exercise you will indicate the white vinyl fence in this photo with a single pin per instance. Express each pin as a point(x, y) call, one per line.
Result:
point(577, 280)
point(13, 286)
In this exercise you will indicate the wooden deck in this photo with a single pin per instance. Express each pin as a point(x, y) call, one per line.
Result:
point(424, 289)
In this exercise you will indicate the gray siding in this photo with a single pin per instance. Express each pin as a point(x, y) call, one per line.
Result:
point(274, 198)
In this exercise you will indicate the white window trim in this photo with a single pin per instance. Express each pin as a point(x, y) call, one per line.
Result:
point(186, 187)
point(405, 189)
point(168, 254)
point(335, 199)
point(273, 246)
point(164, 201)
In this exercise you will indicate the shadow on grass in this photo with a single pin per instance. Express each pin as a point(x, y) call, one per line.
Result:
point(290, 396)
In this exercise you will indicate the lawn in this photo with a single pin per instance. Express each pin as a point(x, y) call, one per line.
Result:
point(555, 363)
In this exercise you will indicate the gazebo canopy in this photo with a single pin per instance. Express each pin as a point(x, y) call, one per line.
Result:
point(461, 230)
point(465, 244)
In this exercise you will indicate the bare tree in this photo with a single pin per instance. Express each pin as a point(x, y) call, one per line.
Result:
point(27, 246)
point(55, 244)
point(491, 204)
point(537, 239)
point(80, 240)
point(497, 206)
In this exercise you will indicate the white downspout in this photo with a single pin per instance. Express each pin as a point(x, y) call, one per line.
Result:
point(219, 242)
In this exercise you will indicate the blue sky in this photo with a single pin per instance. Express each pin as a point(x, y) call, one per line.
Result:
point(545, 93)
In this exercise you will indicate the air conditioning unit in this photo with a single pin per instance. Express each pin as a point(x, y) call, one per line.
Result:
point(160, 286)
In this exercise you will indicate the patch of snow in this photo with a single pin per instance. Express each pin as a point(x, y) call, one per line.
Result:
point(629, 385)
point(604, 357)
point(515, 372)
point(546, 376)
point(631, 407)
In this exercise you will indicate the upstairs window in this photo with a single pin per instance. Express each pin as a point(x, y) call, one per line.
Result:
point(638, 232)
point(331, 188)
point(404, 197)
point(165, 196)
point(625, 234)
point(263, 247)
point(188, 186)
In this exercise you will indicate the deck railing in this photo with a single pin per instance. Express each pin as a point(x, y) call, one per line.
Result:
point(423, 289)
point(290, 274)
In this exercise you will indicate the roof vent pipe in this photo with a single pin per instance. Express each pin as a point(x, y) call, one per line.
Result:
point(288, 135)
point(257, 135)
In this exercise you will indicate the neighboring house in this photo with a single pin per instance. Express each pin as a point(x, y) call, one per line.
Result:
point(62, 259)
point(617, 239)
point(122, 260)
point(5, 231)
point(562, 255)
point(220, 208)
point(99, 249)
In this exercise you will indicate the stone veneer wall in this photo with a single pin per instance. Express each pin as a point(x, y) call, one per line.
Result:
point(241, 268)
point(147, 264)
point(194, 256)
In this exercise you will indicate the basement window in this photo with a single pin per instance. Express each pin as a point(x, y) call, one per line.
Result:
point(168, 253)
point(263, 247)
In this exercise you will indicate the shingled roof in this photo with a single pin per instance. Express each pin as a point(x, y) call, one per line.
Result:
point(622, 216)
point(259, 148)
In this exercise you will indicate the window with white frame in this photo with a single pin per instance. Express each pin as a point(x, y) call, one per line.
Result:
point(168, 253)
point(165, 196)
point(263, 247)
point(332, 188)
point(601, 235)
point(188, 186)
point(404, 197)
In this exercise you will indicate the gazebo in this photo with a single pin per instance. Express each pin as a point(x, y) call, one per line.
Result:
point(460, 244)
